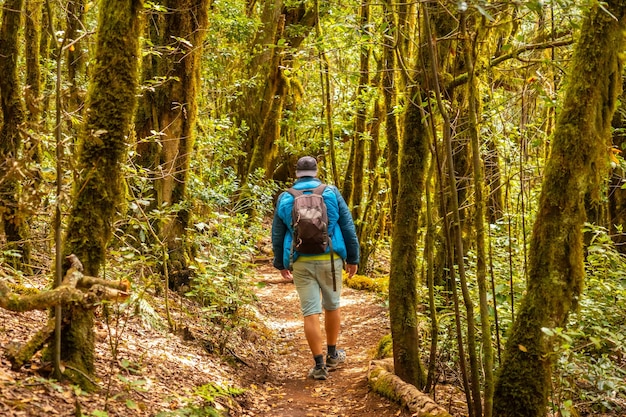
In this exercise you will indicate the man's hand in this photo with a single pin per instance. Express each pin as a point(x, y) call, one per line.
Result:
point(286, 274)
point(351, 270)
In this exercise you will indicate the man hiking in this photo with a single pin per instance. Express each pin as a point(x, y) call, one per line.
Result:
point(313, 235)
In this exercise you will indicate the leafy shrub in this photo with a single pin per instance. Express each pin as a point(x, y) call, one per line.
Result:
point(226, 238)
point(590, 366)
point(205, 402)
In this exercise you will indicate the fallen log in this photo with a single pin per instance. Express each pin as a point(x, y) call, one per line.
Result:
point(382, 380)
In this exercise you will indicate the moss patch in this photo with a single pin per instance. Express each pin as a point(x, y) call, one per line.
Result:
point(361, 282)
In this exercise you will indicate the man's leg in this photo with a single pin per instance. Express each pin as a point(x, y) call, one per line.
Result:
point(313, 333)
point(332, 324)
point(304, 275)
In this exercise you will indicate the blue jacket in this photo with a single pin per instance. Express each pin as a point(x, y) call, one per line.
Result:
point(340, 225)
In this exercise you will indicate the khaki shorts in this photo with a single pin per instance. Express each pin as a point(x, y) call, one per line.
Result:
point(314, 283)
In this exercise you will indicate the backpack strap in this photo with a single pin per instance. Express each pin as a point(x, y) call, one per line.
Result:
point(295, 193)
point(319, 190)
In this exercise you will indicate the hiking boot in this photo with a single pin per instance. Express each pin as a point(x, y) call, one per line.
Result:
point(318, 373)
point(333, 361)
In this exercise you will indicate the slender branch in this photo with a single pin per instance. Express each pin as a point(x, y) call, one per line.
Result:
point(514, 54)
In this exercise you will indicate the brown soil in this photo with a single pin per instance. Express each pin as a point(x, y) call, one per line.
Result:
point(156, 371)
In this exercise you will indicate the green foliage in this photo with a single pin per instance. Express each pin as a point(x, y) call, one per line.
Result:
point(204, 400)
point(385, 347)
point(590, 352)
point(225, 237)
point(220, 284)
point(97, 413)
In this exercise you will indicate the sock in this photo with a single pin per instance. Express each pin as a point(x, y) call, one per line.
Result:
point(319, 361)
point(332, 351)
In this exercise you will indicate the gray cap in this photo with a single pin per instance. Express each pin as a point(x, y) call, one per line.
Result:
point(306, 167)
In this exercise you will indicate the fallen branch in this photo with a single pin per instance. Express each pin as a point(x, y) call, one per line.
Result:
point(276, 281)
point(381, 379)
point(91, 290)
point(87, 282)
point(75, 289)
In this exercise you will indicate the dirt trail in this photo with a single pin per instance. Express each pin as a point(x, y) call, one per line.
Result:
point(271, 366)
point(345, 393)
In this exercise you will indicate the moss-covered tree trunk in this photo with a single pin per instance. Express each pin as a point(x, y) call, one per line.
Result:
point(403, 301)
point(355, 195)
point(171, 110)
point(99, 190)
point(13, 220)
point(285, 26)
point(390, 95)
point(373, 205)
point(577, 165)
point(276, 88)
point(32, 33)
point(479, 222)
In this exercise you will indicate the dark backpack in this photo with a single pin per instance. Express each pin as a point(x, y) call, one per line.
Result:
point(309, 220)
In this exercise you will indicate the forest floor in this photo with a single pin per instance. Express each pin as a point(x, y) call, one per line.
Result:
point(145, 370)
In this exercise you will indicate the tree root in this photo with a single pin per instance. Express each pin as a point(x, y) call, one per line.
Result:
point(382, 380)
point(20, 355)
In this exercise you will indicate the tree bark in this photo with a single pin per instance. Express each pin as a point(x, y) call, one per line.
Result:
point(13, 220)
point(171, 110)
point(403, 300)
point(577, 166)
point(98, 190)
